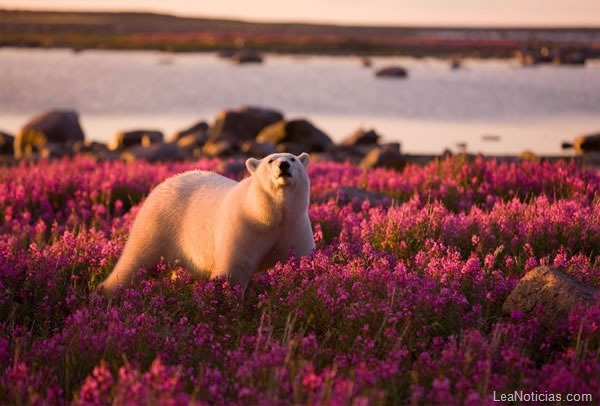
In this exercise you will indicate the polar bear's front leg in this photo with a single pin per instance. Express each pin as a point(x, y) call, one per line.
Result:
point(304, 242)
point(236, 265)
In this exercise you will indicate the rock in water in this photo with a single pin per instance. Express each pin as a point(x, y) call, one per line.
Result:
point(392, 72)
point(243, 57)
point(56, 127)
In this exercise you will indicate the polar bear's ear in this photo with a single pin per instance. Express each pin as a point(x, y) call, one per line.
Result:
point(252, 164)
point(304, 158)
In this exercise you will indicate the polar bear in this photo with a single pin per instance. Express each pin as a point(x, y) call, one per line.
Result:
point(214, 225)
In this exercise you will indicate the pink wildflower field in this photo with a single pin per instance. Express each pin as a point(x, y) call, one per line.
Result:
point(400, 303)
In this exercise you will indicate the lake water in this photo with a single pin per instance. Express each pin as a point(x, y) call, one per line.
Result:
point(435, 108)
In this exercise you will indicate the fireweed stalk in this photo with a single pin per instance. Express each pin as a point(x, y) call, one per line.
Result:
point(400, 302)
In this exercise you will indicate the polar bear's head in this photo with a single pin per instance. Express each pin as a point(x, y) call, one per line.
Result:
point(280, 170)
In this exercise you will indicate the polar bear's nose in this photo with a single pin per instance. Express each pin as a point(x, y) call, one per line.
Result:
point(284, 166)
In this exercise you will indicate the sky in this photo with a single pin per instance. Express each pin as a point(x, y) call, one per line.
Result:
point(363, 12)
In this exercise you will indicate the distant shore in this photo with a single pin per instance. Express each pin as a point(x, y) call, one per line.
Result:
point(80, 31)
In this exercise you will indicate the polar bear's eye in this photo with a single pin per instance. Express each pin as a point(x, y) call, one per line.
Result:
point(271, 160)
point(293, 159)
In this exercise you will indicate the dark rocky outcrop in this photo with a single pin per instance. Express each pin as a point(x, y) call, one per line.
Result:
point(384, 156)
point(198, 131)
point(392, 72)
point(192, 140)
point(550, 291)
point(242, 124)
point(56, 127)
point(223, 148)
point(292, 148)
point(587, 143)
point(258, 149)
point(361, 137)
point(7, 143)
point(157, 152)
point(127, 139)
point(299, 132)
point(99, 150)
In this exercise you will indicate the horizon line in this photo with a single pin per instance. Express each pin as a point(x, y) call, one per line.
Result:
point(423, 25)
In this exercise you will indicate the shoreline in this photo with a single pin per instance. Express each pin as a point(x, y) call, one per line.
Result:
point(89, 30)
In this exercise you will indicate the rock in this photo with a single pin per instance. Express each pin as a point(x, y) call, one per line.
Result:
point(384, 156)
point(361, 137)
point(157, 152)
point(530, 156)
point(550, 290)
point(219, 148)
point(587, 143)
point(350, 153)
point(242, 57)
point(126, 139)
point(100, 151)
point(258, 149)
point(291, 148)
point(190, 142)
point(300, 132)
point(198, 130)
point(243, 124)
point(455, 63)
point(55, 126)
point(226, 53)
point(53, 150)
point(584, 144)
point(94, 148)
point(570, 57)
point(7, 144)
point(392, 72)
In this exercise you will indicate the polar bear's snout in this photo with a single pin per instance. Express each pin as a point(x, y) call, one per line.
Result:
point(284, 169)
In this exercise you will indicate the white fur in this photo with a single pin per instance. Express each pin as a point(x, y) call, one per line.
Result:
point(215, 225)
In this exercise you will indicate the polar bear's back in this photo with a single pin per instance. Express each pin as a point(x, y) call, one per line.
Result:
point(185, 208)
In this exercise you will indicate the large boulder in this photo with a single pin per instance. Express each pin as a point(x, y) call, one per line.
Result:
point(296, 132)
point(242, 124)
point(392, 72)
point(157, 152)
point(57, 127)
point(7, 144)
point(199, 131)
point(587, 143)
point(127, 139)
point(361, 137)
point(220, 149)
point(550, 291)
point(384, 156)
point(258, 149)
point(192, 139)
point(99, 150)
